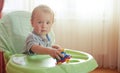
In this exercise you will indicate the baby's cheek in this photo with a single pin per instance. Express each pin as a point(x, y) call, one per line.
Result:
point(49, 29)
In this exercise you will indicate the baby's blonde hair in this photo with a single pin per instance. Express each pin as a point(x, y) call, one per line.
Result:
point(42, 8)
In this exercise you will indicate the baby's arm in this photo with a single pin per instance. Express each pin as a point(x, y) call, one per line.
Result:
point(55, 53)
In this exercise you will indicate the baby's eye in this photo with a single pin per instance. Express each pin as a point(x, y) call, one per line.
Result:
point(48, 22)
point(39, 22)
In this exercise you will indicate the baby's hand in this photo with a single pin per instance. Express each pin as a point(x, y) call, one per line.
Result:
point(55, 53)
point(58, 47)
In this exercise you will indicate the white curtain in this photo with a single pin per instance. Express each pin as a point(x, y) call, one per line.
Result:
point(86, 25)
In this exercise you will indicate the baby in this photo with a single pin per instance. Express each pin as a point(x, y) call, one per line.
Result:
point(39, 42)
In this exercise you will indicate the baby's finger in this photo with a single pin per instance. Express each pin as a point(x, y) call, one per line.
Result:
point(57, 57)
point(61, 55)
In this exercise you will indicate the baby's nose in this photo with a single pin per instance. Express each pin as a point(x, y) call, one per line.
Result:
point(44, 25)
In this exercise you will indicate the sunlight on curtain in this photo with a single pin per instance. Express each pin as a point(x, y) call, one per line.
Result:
point(87, 25)
point(14, 5)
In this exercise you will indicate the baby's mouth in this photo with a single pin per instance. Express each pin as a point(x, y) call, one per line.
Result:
point(44, 30)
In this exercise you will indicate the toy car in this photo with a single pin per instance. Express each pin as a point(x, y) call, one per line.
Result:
point(66, 58)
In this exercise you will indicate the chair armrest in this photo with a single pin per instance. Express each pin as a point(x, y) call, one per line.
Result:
point(7, 56)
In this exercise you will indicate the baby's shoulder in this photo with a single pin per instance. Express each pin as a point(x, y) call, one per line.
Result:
point(30, 36)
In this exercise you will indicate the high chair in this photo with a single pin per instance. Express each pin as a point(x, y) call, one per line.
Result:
point(14, 28)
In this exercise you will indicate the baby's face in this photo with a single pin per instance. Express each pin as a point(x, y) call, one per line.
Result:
point(42, 24)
